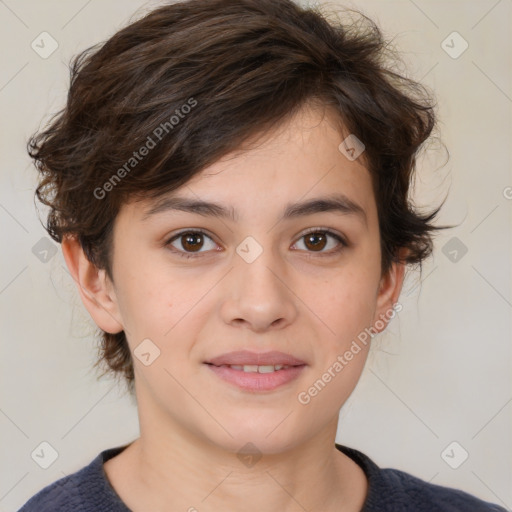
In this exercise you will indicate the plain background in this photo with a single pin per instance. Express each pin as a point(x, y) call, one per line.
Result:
point(442, 370)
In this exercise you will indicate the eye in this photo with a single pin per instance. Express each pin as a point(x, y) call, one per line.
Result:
point(315, 241)
point(191, 240)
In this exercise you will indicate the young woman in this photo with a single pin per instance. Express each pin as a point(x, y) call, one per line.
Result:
point(229, 181)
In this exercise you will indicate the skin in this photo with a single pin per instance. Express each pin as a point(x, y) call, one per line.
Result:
point(291, 298)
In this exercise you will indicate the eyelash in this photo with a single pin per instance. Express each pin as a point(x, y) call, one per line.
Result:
point(186, 255)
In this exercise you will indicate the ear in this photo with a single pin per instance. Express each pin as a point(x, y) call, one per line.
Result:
point(94, 286)
point(389, 291)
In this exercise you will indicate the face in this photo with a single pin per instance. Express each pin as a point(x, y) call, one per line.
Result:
point(267, 276)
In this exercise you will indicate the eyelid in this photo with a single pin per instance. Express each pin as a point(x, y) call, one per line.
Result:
point(329, 231)
point(190, 230)
point(194, 231)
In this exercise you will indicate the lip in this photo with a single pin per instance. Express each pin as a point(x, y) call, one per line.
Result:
point(246, 357)
point(255, 381)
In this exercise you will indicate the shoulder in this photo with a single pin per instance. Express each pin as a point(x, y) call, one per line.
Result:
point(396, 491)
point(85, 490)
point(61, 495)
point(412, 492)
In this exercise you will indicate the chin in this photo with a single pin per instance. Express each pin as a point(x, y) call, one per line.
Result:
point(263, 435)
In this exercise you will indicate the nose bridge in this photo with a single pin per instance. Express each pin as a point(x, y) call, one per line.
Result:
point(260, 266)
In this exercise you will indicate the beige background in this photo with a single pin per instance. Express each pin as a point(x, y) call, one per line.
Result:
point(443, 370)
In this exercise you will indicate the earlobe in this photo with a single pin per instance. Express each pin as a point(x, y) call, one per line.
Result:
point(93, 286)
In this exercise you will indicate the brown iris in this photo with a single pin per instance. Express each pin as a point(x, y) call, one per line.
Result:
point(189, 241)
point(317, 239)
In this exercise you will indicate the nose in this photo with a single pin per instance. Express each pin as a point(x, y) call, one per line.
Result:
point(259, 294)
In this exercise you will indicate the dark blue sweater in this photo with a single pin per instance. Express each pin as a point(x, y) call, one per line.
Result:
point(389, 490)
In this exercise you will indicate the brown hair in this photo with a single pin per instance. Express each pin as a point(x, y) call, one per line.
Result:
point(192, 81)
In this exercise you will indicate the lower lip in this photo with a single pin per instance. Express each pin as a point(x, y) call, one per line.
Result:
point(254, 381)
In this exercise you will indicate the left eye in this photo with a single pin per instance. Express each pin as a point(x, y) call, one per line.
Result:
point(317, 240)
point(192, 241)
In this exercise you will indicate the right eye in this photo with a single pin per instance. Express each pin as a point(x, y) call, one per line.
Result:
point(191, 241)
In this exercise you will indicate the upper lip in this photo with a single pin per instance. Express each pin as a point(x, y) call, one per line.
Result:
point(246, 357)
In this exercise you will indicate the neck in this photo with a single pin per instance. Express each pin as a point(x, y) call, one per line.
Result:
point(169, 464)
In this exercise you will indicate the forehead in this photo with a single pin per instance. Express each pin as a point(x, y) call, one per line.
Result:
point(293, 170)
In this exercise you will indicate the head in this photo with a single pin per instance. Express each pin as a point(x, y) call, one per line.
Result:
point(254, 105)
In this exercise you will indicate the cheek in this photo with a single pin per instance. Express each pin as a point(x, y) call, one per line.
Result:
point(164, 307)
point(145, 299)
point(346, 304)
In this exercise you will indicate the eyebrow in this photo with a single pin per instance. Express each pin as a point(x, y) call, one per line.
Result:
point(337, 203)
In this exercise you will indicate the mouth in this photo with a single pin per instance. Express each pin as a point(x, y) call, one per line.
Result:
point(256, 372)
point(247, 358)
point(254, 368)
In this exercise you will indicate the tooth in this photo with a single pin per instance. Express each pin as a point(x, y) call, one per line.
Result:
point(265, 369)
point(278, 366)
point(250, 368)
point(236, 366)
